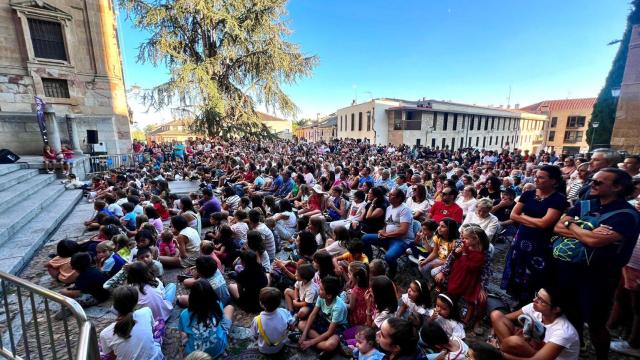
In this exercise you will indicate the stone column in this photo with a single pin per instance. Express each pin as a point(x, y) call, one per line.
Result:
point(73, 134)
point(52, 128)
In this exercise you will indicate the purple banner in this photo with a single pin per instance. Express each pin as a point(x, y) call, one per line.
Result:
point(41, 121)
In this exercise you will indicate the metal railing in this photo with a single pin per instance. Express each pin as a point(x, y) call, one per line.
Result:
point(29, 330)
point(103, 163)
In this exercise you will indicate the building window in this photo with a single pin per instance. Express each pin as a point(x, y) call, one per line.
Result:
point(572, 137)
point(47, 39)
point(464, 121)
point(433, 143)
point(413, 125)
point(552, 136)
point(444, 143)
point(554, 122)
point(368, 121)
point(477, 141)
point(509, 126)
point(490, 140)
point(453, 144)
point(484, 141)
point(479, 122)
point(469, 141)
point(435, 121)
point(471, 121)
point(353, 122)
point(493, 120)
point(455, 122)
point(576, 121)
point(502, 141)
point(486, 123)
point(56, 88)
point(445, 122)
point(360, 121)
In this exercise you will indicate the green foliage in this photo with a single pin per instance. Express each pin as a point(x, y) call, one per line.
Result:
point(300, 123)
point(225, 57)
point(148, 129)
point(604, 111)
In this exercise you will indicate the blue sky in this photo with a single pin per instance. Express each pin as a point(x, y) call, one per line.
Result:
point(467, 51)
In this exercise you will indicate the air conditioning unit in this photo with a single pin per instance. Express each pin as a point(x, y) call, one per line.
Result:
point(99, 148)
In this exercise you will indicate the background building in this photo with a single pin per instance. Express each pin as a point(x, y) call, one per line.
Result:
point(439, 124)
point(324, 130)
point(626, 129)
point(568, 123)
point(66, 52)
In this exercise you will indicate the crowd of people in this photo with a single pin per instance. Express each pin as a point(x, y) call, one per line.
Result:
point(364, 251)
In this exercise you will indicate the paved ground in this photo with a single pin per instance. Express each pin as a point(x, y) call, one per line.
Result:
point(242, 346)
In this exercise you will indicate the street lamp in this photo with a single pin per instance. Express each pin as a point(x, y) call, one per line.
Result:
point(615, 92)
point(594, 126)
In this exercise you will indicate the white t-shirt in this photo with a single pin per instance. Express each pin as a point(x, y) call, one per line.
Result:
point(421, 208)
point(153, 298)
point(412, 308)
point(488, 224)
point(139, 346)
point(356, 211)
point(275, 325)
point(394, 216)
point(115, 209)
point(559, 332)
point(467, 206)
point(307, 292)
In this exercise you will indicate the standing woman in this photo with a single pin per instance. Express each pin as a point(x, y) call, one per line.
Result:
point(537, 211)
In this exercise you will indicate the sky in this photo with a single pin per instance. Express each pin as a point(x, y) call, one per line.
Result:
point(468, 51)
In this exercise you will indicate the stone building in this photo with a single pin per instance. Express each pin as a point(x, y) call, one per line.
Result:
point(626, 129)
point(568, 123)
point(324, 130)
point(65, 52)
point(438, 124)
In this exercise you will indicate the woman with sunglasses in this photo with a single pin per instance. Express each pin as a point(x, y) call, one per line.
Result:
point(537, 211)
point(537, 331)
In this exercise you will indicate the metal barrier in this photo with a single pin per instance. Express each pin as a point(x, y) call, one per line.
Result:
point(104, 163)
point(28, 330)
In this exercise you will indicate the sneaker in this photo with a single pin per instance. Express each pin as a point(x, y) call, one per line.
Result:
point(623, 347)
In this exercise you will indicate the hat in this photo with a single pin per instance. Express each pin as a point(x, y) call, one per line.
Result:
point(318, 188)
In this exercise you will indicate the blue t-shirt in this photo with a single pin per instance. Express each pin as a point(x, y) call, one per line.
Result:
point(210, 338)
point(130, 219)
point(178, 150)
point(219, 285)
point(375, 354)
point(336, 312)
point(277, 182)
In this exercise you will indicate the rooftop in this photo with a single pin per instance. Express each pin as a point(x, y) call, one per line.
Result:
point(557, 105)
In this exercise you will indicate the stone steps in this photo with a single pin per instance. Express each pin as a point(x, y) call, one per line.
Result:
point(16, 177)
point(32, 206)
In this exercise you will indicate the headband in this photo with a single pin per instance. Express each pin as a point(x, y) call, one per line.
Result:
point(419, 284)
point(445, 297)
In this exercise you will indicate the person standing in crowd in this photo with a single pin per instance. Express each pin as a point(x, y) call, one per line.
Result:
point(527, 263)
point(591, 286)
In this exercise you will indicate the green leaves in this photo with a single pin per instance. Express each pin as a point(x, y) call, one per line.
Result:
point(225, 58)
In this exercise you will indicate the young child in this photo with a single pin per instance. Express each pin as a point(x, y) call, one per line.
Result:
point(323, 263)
point(444, 243)
point(271, 326)
point(366, 345)
point(358, 285)
point(239, 227)
point(60, 266)
point(49, 157)
point(416, 303)
point(446, 315)
point(355, 252)
point(226, 249)
point(167, 245)
point(123, 246)
point(423, 244)
point(301, 299)
point(87, 289)
point(463, 273)
point(250, 280)
point(99, 206)
point(434, 336)
point(206, 268)
point(72, 182)
point(145, 255)
point(328, 319)
point(107, 260)
point(160, 206)
point(207, 248)
point(129, 218)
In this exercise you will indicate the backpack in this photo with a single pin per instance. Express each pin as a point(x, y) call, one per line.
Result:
point(573, 251)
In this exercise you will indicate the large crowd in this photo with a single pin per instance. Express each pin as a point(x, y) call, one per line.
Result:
point(364, 251)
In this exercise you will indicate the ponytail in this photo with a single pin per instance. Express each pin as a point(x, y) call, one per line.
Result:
point(124, 326)
point(125, 299)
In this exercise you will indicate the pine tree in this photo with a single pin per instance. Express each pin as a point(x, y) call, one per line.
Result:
point(604, 111)
point(225, 57)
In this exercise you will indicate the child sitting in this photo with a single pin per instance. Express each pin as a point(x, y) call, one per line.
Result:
point(239, 227)
point(423, 244)
point(327, 321)
point(167, 245)
point(301, 299)
point(123, 246)
point(129, 218)
point(161, 207)
point(206, 268)
point(358, 285)
point(446, 314)
point(416, 303)
point(60, 266)
point(249, 281)
point(226, 249)
point(99, 207)
point(270, 327)
point(450, 347)
point(107, 261)
point(355, 252)
point(366, 345)
point(207, 248)
point(87, 289)
point(145, 255)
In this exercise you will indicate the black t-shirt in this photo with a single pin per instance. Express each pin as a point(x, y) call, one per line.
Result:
point(90, 282)
point(619, 252)
point(505, 213)
point(495, 196)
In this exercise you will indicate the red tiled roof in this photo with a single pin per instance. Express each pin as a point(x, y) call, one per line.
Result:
point(555, 105)
point(267, 117)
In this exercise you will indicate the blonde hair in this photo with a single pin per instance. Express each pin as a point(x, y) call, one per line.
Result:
point(206, 247)
point(198, 355)
point(484, 203)
point(106, 246)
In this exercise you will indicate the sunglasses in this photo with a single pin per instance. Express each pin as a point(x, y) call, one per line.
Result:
point(596, 182)
point(540, 300)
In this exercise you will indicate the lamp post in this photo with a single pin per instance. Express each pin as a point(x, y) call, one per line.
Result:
point(594, 126)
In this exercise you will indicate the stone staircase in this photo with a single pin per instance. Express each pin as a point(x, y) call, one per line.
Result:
point(32, 206)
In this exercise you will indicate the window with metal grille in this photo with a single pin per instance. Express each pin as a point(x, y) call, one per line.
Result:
point(56, 88)
point(47, 39)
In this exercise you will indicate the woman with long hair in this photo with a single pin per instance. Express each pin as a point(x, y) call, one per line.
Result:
point(151, 291)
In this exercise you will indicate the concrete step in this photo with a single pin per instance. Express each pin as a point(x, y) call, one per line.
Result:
point(15, 254)
point(18, 192)
point(16, 177)
point(22, 213)
point(8, 168)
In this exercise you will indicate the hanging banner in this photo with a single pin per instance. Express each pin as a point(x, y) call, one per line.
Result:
point(41, 120)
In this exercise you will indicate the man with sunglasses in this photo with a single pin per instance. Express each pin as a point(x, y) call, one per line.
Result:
point(446, 207)
point(590, 287)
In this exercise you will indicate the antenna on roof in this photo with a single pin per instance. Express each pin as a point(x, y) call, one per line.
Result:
point(509, 98)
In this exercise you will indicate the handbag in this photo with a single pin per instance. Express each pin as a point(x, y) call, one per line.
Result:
point(572, 250)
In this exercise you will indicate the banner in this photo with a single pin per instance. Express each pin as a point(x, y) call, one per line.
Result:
point(41, 120)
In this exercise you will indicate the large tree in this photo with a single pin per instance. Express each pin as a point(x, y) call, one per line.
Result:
point(604, 111)
point(225, 57)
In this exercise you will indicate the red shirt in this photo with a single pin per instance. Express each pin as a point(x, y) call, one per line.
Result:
point(440, 210)
point(162, 211)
